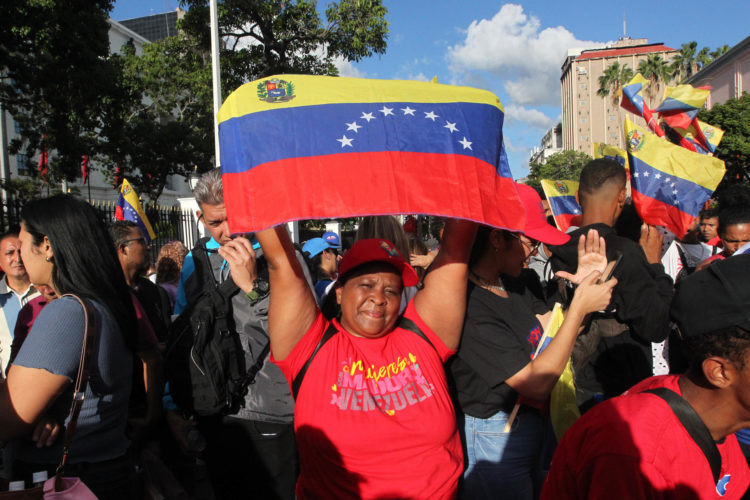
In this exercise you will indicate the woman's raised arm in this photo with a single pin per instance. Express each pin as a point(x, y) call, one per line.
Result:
point(292, 307)
point(442, 301)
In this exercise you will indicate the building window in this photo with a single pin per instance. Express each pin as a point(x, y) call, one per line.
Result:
point(583, 120)
point(612, 135)
point(583, 86)
point(611, 118)
point(22, 165)
point(584, 138)
point(583, 103)
point(17, 127)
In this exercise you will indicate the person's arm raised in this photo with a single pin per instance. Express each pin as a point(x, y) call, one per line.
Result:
point(442, 302)
point(292, 307)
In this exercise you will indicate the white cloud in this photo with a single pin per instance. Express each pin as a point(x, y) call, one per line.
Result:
point(514, 46)
point(533, 117)
point(421, 77)
point(347, 68)
point(512, 147)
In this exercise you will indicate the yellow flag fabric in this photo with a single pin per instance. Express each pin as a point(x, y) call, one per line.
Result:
point(563, 407)
point(602, 150)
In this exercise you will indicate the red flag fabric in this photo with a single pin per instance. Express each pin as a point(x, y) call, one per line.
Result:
point(44, 165)
point(118, 177)
point(85, 169)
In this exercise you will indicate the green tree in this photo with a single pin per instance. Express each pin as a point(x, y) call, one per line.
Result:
point(163, 125)
point(610, 84)
point(685, 63)
point(565, 165)
point(733, 117)
point(55, 77)
point(720, 52)
point(266, 37)
point(658, 71)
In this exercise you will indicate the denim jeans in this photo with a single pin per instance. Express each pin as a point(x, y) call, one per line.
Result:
point(502, 464)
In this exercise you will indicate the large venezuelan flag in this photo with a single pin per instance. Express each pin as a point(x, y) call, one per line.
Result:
point(561, 196)
point(310, 147)
point(669, 183)
point(129, 208)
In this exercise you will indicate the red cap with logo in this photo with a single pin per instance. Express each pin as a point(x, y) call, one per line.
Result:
point(536, 220)
point(378, 250)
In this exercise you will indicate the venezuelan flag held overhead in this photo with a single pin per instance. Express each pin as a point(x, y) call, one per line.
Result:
point(669, 183)
point(129, 208)
point(602, 150)
point(307, 147)
point(561, 196)
point(703, 136)
point(632, 101)
point(684, 98)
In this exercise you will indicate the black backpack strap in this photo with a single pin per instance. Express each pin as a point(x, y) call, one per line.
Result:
point(694, 425)
point(408, 324)
point(297, 382)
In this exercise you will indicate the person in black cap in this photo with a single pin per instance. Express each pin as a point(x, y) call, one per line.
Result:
point(645, 444)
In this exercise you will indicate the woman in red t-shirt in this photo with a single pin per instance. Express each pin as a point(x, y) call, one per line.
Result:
point(373, 417)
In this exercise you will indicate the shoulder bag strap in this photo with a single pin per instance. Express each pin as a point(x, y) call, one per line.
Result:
point(82, 379)
point(297, 382)
point(410, 325)
point(693, 425)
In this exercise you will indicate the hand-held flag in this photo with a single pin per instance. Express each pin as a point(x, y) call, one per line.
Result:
point(561, 196)
point(681, 104)
point(632, 101)
point(669, 183)
point(602, 150)
point(129, 208)
point(307, 147)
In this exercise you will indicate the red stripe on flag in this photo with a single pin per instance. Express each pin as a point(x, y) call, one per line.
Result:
point(564, 221)
point(656, 212)
point(341, 185)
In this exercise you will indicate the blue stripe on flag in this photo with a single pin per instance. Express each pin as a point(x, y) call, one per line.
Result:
point(561, 205)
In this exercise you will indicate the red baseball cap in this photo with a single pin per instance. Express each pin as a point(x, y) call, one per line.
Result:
point(378, 250)
point(536, 221)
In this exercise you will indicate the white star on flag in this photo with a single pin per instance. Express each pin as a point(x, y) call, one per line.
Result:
point(673, 184)
point(353, 126)
point(465, 143)
point(674, 192)
point(431, 115)
point(658, 176)
point(450, 126)
point(386, 111)
point(635, 175)
point(667, 180)
point(645, 173)
point(575, 211)
point(367, 116)
point(345, 141)
point(408, 111)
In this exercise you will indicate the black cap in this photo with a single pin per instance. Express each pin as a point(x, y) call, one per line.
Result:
point(714, 298)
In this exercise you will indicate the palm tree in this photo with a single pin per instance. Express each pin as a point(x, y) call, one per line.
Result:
point(720, 51)
point(610, 84)
point(685, 63)
point(658, 71)
point(704, 58)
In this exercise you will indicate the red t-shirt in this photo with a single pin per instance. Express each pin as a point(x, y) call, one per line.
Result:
point(373, 417)
point(633, 446)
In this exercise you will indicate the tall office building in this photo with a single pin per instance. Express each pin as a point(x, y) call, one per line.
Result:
point(588, 118)
point(156, 26)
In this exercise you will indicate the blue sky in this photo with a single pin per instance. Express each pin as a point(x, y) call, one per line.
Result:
point(516, 49)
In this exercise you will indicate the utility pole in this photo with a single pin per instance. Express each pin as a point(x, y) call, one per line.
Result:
point(216, 74)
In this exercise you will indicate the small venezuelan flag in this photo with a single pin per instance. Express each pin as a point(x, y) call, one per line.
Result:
point(703, 136)
point(311, 147)
point(602, 150)
point(632, 101)
point(669, 183)
point(561, 196)
point(129, 208)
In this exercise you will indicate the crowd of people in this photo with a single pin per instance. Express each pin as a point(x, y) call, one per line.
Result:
point(387, 366)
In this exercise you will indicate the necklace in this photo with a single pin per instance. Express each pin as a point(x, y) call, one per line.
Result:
point(486, 284)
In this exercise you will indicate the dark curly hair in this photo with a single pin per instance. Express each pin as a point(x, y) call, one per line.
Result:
point(731, 343)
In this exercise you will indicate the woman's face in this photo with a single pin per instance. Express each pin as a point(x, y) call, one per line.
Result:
point(370, 301)
point(35, 258)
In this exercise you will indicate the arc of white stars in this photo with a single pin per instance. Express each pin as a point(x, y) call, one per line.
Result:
point(353, 126)
point(465, 143)
point(431, 115)
point(386, 111)
point(345, 141)
point(408, 111)
point(367, 116)
point(450, 126)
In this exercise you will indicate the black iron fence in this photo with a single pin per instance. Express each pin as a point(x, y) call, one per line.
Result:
point(169, 223)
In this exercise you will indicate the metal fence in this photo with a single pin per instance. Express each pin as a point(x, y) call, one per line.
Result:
point(169, 223)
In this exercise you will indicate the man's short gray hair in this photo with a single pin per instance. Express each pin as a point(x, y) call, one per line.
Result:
point(209, 189)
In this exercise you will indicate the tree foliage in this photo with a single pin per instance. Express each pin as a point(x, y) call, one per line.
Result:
point(266, 37)
point(164, 125)
point(733, 117)
point(690, 60)
point(611, 82)
point(657, 71)
point(565, 165)
point(55, 77)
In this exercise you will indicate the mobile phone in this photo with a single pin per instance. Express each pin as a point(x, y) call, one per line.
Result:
point(610, 269)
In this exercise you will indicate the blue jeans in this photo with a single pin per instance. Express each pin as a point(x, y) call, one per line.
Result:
point(503, 464)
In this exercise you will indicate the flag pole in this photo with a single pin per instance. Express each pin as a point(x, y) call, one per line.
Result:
point(216, 75)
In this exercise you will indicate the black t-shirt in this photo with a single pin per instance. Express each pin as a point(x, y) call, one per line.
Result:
point(499, 337)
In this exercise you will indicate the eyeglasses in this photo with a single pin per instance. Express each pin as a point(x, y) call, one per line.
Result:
point(532, 245)
point(141, 239)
